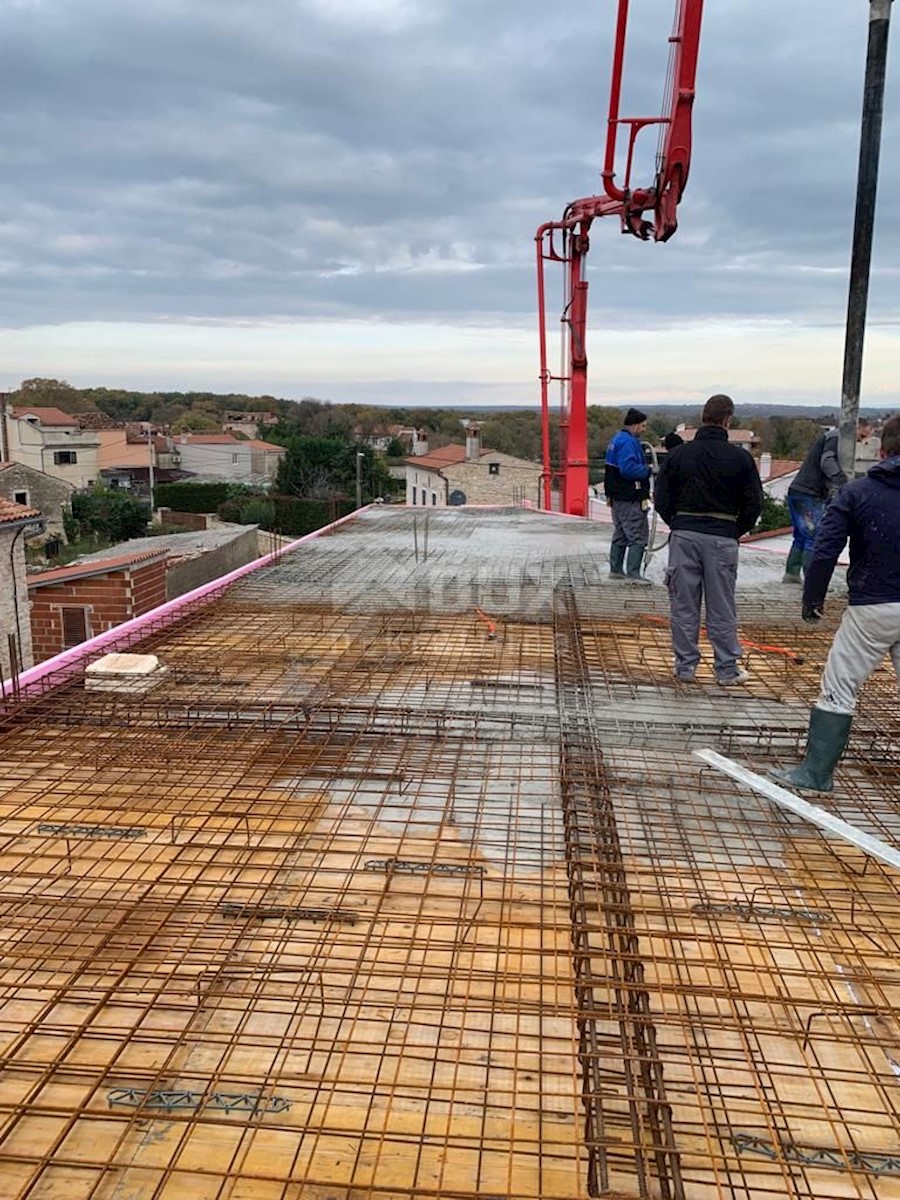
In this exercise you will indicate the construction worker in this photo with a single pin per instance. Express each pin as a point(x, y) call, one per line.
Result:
point(708, 492)
point(626, 484)
point(816, 483)
point(867, 511)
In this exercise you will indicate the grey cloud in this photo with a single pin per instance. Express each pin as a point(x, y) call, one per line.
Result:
point(240, 161)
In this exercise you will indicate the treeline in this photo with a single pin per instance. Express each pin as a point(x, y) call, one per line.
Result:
point(510, 431)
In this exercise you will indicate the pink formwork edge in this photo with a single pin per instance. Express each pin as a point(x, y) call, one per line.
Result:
point(129, 629)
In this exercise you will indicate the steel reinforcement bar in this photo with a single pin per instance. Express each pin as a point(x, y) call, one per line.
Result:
point(617, 1038)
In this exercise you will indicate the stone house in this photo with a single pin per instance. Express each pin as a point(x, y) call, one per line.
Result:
point(470, 474)
point(51, 441)
point(15, 630)
point(70, 604)
point(36, 489)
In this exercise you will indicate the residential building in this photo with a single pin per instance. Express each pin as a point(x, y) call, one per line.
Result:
point(37, 490)
point(126, 454)
point(777, 475)
point(223, 456)
point(50, 441)
point(470, 474)
point(70, 604)
point(740, 437)
point(249, 423)
point(15, 632)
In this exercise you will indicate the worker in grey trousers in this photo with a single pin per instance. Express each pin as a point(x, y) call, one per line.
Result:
point(867, 511)
point(709, 494)
point(626, 484)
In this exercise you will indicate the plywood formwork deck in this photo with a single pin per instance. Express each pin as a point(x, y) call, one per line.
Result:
point(376, 897)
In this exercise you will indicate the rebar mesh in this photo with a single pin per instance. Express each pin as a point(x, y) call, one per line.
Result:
point(412, 887)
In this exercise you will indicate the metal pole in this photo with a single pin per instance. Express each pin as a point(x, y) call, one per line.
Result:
point(359, 461)
point(150, 453)
point(864, 223)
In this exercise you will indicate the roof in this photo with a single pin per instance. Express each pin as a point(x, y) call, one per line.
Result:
point(444, 456)
point(734, 435)
point(781, 467)
point(46, 416)
point(105, 566)
point(348, 799)
point(209, 439)
point(10, 512)
point(259, 445)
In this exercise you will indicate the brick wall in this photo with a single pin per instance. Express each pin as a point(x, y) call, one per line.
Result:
point(13, 598)
point(193, 521)
point(109, 599)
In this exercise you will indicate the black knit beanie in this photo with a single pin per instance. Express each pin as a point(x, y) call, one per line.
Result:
point(634, 416)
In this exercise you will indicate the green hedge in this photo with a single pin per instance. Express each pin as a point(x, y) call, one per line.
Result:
point(287, 515)
point(193, 497)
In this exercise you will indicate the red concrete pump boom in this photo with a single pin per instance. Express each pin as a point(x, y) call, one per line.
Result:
point(643, 211)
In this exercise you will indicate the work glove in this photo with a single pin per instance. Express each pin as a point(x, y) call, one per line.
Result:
point(811, 613)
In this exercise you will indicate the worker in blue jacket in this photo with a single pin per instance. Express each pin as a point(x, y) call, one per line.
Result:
point(626, 484)
point(867, 511)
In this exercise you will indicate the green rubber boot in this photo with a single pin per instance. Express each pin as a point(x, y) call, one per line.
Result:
point(826, 741)
point(617, 561)
point(793, 567)
point(634, 560)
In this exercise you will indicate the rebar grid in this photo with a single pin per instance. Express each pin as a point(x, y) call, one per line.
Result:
point(300, 921)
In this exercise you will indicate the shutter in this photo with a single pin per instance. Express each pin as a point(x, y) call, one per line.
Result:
point(75, 626)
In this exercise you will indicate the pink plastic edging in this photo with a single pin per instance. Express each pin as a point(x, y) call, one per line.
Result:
point(34, 674)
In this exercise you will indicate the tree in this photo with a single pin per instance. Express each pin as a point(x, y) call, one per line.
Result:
point(196, 422)
point(50, 393)
point(107, 514)
point(322, 468)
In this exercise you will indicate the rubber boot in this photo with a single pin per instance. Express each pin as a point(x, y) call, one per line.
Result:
point(617, 561)
point(826, 741)
point(633, 560)
point(793, 567)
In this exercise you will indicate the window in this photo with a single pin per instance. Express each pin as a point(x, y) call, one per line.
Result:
point(434, 497)
point(493, 468)
point(234, 459)
point(65, 458)
point(75, 626)
point(414, 495)
point(21, 498)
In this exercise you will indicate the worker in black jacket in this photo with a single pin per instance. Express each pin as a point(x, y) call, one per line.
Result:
point(708, 492)
point(817, 482)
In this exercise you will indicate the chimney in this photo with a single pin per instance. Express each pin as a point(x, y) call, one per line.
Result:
point(473, 442)
point(765, 466)
point(420, 442)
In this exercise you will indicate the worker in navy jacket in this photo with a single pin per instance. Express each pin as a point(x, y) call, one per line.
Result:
point(867, 511)
point(626, 484)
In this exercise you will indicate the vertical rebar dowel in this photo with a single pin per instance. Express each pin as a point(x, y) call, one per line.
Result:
point(863, 228)
point(425, 547)
point(416, 537)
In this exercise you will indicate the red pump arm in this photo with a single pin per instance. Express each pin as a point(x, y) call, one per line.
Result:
point(567, 241)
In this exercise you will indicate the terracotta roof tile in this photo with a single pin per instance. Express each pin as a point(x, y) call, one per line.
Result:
point(444, 456)
point(10, 511)
point(46, 416)
point(102, 566)
point(258, 445)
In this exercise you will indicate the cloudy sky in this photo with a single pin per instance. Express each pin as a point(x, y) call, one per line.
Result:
point(339, 197)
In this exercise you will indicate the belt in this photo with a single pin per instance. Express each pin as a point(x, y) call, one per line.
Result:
point(717, 515)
